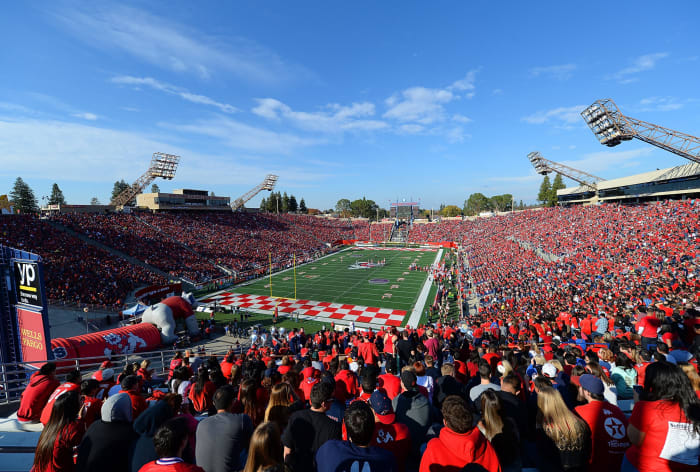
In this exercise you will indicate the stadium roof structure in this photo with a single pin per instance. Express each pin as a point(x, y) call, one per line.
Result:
point(680, 181)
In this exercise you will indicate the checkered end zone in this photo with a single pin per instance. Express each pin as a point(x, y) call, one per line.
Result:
point(331, 311)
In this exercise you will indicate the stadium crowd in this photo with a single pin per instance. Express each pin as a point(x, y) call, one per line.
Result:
point(444, 397)
point(74, 270)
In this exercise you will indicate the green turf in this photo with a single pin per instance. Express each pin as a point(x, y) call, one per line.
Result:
point(330, 280)
point(265, 321)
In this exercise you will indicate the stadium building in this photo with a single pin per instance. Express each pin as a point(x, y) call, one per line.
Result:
point(182, 199)
point(673, 183)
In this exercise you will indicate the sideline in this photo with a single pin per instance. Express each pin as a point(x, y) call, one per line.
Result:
point(417, 312)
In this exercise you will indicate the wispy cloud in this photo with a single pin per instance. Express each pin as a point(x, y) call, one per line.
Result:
point(173, 90)
point(558, 72)
point(334, 118)
point(608, 160)
point(85, 116)
point(78, 152)
point(173, 46)
point(639, 64)
point(425, 106)
point(238, 135)
point(567, 115)
point(660, 104)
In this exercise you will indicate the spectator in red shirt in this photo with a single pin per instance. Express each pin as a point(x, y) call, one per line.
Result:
point(40, 387)
point(607, 423)
point(61, 435)
point(130, 386)
point(664, 428)
point(459, 443)
point(202, 393)
point(389, 383)
point(72, 384)
point(347, 386)
point(368, 351)
point(388, 433)
point(91, 407)
point(170, 441)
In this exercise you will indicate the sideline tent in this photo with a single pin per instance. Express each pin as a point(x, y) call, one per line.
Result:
point(135, 310)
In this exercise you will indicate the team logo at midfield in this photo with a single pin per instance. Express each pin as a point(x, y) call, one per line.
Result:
point(365, 265)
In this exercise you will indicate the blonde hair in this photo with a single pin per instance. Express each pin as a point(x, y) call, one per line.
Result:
point(265, 448)
point(280, 395)
point(557, 364)
point(491, 420)
point(564, 428)
point(689, 370)
point(507, 367)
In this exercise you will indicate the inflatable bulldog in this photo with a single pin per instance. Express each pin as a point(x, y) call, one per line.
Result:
point(165, 314)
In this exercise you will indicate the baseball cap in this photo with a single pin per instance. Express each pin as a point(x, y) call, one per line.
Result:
point(549, 370)
point(105, 365)
point(107, 374)
point(408, 378)
point(591, 383)
point(381, 405)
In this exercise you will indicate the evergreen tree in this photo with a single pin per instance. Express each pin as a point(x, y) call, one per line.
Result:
point(293, 206)
point(521, 206)
point(263, 205)
point(22, 197)
point(284, 204)
point(119, 187)
point(302, 206)
point(545, 190)
point(558, 184)
point(56, 197)
point(155, 188)
point(94, 201)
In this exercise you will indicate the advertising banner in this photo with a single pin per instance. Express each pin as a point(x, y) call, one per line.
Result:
point(31, 335)
point(28, 283)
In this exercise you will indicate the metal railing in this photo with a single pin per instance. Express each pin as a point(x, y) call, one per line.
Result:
point(15, 376)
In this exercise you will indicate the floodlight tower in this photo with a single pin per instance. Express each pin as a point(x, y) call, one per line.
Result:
point(611, 127)
point(267, 184)
point(545, 166)
point(162, 165)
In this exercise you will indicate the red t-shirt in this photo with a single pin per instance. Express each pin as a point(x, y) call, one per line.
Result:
point(170, 464)
point(203, 400)
point(608, 426)
point(648, 326)
point(394, 437)
point(668, 444)
point(390, 384)
point(138, 404)
point(46, 412)
point(91, 410)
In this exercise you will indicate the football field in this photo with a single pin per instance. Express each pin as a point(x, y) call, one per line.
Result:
point(332, 279)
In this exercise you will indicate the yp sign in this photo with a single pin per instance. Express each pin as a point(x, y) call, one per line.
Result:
point(28, 283)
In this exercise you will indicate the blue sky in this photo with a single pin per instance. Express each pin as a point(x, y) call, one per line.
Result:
point(429, 100)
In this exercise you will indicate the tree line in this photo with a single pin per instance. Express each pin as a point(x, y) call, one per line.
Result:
point(548, 192)
point(360, 208)
point(283, 203)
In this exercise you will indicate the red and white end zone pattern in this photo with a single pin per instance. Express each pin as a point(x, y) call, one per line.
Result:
point(332, 311)
point(412, 249)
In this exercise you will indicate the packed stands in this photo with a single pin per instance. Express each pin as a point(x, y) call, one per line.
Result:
point(74, 270)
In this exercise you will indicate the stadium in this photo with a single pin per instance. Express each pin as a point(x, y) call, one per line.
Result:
point(181, 330)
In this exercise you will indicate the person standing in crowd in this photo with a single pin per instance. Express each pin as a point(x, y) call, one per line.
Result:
point(34, 397)
point(221, 438)
point(265, 448)
point(356, 453)
point(62, 433)
point(459, 442)
point(484, 382)
point(388, 433)
point(146, 426)
point(413, 409)
point(389, 382)
point(130, 385)
point(664, 428)
point(501, 431)
point(106, 443)
point(309, 429)
point(607, 423)
point(170, 441)
point(563, 440)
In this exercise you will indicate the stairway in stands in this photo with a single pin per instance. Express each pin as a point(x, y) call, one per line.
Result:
point(399, 234)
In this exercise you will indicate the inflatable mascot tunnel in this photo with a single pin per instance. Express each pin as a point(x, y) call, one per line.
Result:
point(166, 313)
